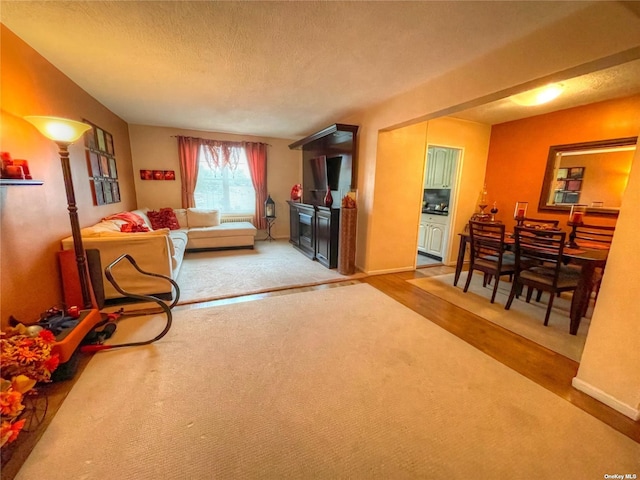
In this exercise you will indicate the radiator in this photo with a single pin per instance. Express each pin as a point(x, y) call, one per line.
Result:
point(236, 218)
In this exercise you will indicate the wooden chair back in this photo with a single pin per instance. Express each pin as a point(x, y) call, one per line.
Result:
point(488, 253)
point(487, 239)
point(598, 234)
point(534, 246)
point(539, 265)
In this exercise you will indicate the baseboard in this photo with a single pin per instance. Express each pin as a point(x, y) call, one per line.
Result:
point(605, 398)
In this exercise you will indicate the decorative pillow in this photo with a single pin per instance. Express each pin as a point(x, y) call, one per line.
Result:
point(134, 223)
point(165, 218)
point(181, 215)
point(200, 217)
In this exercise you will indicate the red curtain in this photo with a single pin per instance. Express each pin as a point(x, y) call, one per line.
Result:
point(188, 152)
point(257, 159)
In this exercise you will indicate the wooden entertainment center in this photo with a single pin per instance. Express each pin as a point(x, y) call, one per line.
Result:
point(329, 162)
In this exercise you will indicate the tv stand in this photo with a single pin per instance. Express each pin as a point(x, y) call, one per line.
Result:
point(314, 230)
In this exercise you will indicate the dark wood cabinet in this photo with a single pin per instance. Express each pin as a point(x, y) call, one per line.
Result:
point(315, 232)
point(327, 230)
point(329, 162)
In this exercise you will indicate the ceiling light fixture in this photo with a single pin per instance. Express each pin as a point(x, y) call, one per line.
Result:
point(538, 96)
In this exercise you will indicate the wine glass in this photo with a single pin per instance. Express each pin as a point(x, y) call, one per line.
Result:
point(493, 211)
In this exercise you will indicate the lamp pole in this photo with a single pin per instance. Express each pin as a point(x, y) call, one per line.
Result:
point(81, 260)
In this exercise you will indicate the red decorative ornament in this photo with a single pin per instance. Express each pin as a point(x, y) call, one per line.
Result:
point(296, 192)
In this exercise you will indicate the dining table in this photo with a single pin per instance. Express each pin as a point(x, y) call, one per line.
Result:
point(589, 256)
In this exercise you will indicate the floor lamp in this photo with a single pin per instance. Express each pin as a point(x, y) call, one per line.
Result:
point(65, 132)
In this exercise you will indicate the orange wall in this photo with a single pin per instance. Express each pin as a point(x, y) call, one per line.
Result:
point(35, 218)
point(518, 150)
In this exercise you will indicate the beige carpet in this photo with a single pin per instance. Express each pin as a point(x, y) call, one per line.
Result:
point(335, 383)
point(524, 319)
point(206, 276)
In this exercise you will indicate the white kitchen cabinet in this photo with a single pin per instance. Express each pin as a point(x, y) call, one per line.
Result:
point(432, 234)
point(441, 164)
point(422, 237)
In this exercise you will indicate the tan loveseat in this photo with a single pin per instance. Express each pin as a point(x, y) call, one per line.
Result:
point(159, 251)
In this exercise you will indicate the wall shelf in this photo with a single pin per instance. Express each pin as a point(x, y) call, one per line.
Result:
point(4, 182)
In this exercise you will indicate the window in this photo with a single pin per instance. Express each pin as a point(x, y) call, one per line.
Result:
point(222, 188)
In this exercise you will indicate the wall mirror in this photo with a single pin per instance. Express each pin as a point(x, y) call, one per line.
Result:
point(590, 173)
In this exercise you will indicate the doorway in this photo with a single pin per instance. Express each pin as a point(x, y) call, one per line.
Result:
point(435, 221)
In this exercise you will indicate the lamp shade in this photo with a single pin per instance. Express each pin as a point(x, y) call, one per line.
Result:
point(60, 130)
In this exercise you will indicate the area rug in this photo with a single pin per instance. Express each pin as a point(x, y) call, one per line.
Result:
point(206, 276)
point(525, 319)
point(335, 383)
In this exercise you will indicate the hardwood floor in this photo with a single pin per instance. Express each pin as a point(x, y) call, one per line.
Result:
point(539, 364)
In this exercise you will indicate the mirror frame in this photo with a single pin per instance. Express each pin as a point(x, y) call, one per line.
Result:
point(549, 173)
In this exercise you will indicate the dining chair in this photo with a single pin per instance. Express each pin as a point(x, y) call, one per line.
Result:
point(539, 265)
point(599, 235)
point(488, 253)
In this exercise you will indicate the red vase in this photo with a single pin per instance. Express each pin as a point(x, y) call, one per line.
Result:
point(328, 199)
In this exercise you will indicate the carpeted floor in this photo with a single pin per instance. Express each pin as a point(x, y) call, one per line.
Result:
point(206, 276)
point(524, 319)
point(336, 383)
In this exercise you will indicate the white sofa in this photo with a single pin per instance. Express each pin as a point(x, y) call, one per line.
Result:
point(159, 251)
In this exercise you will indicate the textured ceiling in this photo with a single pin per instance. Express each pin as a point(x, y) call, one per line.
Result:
point(615, 82)
point(279, 69)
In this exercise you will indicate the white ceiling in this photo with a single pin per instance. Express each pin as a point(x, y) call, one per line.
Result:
point(278, 69)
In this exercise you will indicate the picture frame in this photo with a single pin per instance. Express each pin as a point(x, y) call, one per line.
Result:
point(104, 166)
point(563, 173)
point(115, 191)
point(571, 197)
point(102, 145)
point(573, 185)
point(97, 192)
point(108, 193)
point(146, 174)
point(169, 175)
point(113, 170)
point(576, 172)
point(158, 174)
point(90, 137)
point(109, 143)
point(93, 164)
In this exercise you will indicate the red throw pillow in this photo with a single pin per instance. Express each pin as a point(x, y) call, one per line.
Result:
point(165, 218)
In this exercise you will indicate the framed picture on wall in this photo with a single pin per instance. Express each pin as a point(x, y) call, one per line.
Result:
point(158, 174)
point(97, 192)
point(104, 166)
point(115, 192)
point(102, 145)
point(90, 138)
point(169, 175)
point(108, 193)
point(93, 164)
point(146, 174)
point(108, 138)
point(113, 171)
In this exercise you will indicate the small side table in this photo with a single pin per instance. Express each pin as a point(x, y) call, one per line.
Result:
point(270, 222)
